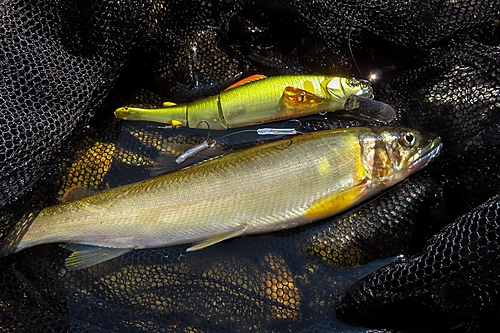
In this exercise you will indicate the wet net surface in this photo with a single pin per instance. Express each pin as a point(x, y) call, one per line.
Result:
point(67, 65)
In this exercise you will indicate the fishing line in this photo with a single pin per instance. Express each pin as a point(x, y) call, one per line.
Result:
point(349, 38)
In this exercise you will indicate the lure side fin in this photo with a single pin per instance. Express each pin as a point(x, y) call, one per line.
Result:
point(169, 104)
point(173, 122)
point(216, 239)
point(299, 97)
point(249, 79)
point(84, 256)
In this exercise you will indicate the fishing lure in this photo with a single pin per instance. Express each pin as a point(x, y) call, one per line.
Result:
point(258, 99)
point(210, 143)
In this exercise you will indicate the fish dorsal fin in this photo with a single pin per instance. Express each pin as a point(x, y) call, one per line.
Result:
point(168, 104)
point(252, 78)
point(216, 239)
point(84, 256)
point(297, 97)
point(76, 192)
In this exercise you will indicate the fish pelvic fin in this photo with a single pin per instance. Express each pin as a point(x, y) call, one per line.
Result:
point(10, 244)
point(216, 239)
point(84, 256)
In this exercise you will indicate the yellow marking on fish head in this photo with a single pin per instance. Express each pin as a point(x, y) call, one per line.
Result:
point(337, 202)
point(361, 172)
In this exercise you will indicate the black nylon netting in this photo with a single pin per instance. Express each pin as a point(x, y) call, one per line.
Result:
point(66, 65)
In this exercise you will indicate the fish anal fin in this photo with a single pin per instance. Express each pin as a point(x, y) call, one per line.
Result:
point(301, 97)
point(216, 239)
point(84, 256)
point(249, 79)
point(336, 202)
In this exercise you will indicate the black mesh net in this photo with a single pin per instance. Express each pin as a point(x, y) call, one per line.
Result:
point(66, 65)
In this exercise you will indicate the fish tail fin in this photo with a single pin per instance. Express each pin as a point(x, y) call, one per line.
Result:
point(11, 242)
point(172, 114)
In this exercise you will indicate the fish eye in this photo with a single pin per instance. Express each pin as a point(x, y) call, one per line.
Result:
point(409, 138)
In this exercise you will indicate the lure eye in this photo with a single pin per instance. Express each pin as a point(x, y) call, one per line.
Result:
point(409, 139)
point(353, 82)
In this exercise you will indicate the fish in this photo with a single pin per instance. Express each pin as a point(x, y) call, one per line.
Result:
point(270, 187)
point(259, 99)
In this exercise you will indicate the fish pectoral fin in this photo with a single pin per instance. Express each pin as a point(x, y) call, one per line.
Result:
point(337, 202)
point(84, 256)
point(300, 97)
point(216, 239)
point(249, 79)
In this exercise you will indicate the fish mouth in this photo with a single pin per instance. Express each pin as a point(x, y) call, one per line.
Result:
point(426, 153)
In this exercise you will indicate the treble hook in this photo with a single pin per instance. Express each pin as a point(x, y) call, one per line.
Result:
point(208, 143)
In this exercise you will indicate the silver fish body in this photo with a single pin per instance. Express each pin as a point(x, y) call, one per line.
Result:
point(270, 187)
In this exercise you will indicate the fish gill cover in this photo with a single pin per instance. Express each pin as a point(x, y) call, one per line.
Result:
point(67, 65)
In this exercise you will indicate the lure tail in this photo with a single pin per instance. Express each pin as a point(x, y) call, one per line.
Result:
point(173, 114)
